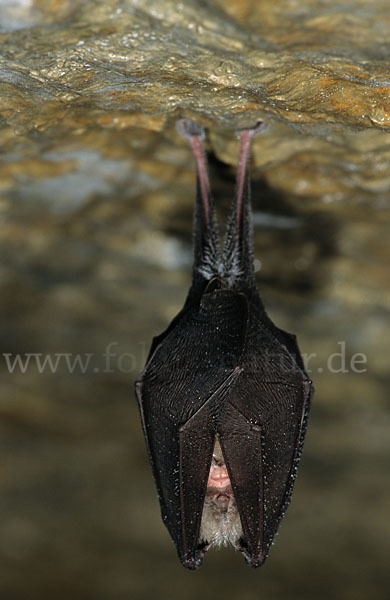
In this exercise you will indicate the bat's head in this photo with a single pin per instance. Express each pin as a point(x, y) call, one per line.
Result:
point(221, 523)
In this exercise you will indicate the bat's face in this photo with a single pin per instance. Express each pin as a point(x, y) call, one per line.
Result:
point(221, 523)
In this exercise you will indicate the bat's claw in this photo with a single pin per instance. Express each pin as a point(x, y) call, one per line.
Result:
point(260, 127)
point(188, 129)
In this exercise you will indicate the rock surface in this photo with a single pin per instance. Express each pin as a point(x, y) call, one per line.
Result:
point(317, 72)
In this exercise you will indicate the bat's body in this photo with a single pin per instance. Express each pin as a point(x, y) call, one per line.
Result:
point(224, 396)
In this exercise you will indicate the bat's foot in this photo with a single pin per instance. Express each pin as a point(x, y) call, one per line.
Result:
point(188, 129)
point(260, 127)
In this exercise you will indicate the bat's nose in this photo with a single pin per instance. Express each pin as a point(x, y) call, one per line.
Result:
point(218, 477)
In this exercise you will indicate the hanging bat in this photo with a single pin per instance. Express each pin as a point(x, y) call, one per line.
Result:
point(224, 396)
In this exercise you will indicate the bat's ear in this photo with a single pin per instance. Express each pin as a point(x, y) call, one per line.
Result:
point(238, 249)
point(206, 244)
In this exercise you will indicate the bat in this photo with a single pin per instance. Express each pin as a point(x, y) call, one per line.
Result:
point(224, 397)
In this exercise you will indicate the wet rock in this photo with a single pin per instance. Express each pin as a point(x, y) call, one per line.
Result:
point(317, 73)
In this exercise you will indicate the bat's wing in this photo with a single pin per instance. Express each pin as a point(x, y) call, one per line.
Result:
point(261, 433)
point(181, 395)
